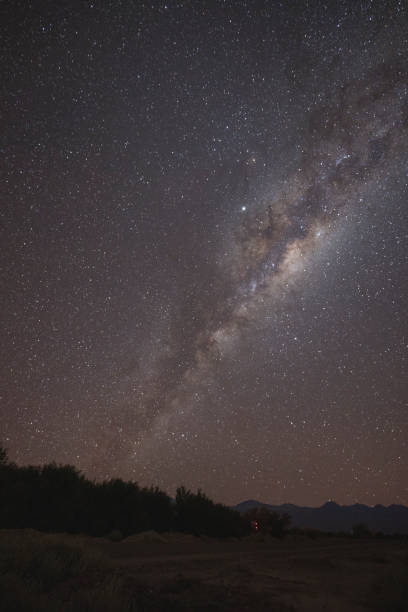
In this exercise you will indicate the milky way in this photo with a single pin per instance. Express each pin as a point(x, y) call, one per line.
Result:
point(364, 130)
point(204, 245)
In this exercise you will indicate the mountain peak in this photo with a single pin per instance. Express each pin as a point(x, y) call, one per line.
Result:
point(333, 517)
point(330, 505)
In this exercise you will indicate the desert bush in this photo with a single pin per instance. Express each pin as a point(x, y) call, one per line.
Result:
point(360, 530)
point(268, 522)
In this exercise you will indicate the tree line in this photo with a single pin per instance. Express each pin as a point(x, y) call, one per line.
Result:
point(59, 498)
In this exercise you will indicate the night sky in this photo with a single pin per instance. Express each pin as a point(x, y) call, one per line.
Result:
point(204, 238)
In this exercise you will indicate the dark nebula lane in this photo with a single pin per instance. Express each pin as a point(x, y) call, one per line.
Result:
point(204, 245)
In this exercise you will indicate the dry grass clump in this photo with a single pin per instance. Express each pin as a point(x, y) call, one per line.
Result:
point(51, 572)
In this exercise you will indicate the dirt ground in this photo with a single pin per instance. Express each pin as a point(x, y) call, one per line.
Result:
point(295, 573)
point(179, 573)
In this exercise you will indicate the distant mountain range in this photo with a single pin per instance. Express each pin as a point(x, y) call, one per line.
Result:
point(332, 517)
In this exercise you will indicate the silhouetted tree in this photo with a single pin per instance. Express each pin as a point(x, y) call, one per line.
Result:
point(197, 514)
point(3, 456)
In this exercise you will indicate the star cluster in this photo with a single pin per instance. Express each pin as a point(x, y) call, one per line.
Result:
point(204, 245)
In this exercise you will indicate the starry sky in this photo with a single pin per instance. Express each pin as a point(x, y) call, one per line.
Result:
point(204, 274)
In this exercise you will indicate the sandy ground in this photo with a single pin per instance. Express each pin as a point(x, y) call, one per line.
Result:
point(295, 573)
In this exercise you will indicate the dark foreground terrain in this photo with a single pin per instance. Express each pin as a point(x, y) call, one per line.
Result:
point(151, 572)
